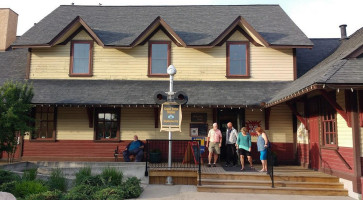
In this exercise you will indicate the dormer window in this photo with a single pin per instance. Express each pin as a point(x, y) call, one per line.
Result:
point(81, 58)
point(238, 59)
point(159, 58)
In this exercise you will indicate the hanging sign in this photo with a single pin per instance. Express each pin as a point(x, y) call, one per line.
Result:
point(170, 117)
point(251, 126)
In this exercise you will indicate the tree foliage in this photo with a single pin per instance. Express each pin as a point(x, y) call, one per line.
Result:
point(15, 108)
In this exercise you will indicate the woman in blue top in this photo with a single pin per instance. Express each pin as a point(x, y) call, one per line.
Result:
point(262, 144)
point(244, 147)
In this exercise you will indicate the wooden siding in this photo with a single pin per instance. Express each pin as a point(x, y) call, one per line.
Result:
point(142, 123)
point(330, 160)
point(281, 129)
point(73, 124)
point(302, 133)
point(344, 132)
point(192, 64)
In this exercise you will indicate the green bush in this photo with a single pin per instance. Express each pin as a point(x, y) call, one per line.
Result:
point(82, 174)
point(48, 195)
point(8, 176)
point(131, 188)
point(111, 177)
point(81, 192)
point(109, 193)
point(25, 188)
point(8, 187)
point(57, 181)
point(30, 174)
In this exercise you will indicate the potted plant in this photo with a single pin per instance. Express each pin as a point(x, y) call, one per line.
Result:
point(155, 156)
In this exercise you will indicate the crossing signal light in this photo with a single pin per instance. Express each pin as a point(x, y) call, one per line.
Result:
point(181, 97)
point(160, 97)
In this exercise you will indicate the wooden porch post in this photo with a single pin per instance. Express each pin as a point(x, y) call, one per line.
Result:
point(357, 187)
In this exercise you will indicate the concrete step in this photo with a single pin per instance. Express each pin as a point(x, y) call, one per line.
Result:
point(277, 183)
point(270, 190)
point(264, 177)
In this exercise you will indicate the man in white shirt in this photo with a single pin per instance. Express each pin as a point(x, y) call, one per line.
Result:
point(231, 138)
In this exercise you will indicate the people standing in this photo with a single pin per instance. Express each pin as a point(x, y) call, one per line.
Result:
point(262, 145)
point(214, 142)
point(231, 138)
point(244, 147)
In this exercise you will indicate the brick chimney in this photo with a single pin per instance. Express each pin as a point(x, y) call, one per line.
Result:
point(343, 32)
point(8, 25)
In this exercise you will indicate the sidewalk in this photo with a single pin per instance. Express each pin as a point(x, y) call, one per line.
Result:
point(186, 192)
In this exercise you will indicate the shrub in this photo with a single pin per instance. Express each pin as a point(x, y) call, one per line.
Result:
point(30, 174)
point(8, 176)
point(93, 181)
point(25, 188)
point(81, 192)
point(57, 181)
point(111, 177)
point(131, 188)
point(82, 174)
point(8, 187)
point(109, 193)
point(48, 195)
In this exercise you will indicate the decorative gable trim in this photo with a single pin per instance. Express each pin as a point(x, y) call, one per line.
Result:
point(76, 22)
point(154, 27)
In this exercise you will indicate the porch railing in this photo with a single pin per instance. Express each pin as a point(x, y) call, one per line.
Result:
point(270, 166)
point(185, 154)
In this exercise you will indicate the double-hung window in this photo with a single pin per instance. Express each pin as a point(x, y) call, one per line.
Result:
point(81, 58)
point(159, 58)
point(237, 59)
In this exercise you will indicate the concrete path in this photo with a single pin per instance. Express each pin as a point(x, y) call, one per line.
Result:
point(185, 192)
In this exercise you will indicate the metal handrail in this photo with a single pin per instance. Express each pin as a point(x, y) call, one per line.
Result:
point(270, 166)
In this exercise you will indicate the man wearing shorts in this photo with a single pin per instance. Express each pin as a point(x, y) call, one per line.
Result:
point(214, 142)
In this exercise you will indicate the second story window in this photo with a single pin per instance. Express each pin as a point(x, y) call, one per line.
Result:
point(159, 58)
point(81, 58)
point(237, 59)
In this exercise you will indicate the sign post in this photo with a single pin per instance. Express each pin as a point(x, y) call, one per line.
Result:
point(171, 113)
point(171, 121)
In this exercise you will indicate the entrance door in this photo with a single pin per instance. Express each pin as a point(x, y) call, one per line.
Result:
point(314, 136)
point(225, 116)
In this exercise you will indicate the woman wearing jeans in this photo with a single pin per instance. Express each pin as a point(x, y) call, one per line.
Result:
point(262, 144)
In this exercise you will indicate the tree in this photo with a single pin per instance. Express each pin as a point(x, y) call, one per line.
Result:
point(15, 118)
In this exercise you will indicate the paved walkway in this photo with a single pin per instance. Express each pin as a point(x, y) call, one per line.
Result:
point(186, 192)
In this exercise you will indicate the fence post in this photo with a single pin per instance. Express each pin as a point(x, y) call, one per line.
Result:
point(199, 161)
point(147, 157)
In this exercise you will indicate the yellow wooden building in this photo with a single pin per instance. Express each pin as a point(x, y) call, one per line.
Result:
point(95, 70)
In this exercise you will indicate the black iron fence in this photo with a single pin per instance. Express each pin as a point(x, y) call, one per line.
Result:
point(184, 154)
point(270, 165)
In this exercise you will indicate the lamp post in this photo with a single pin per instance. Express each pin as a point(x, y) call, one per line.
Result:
point(171, 71)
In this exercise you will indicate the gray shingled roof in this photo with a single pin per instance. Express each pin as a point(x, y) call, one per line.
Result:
point(308, 58)
point(333, 70)
point(196, 25)
point(229, 93)
point(13, 65)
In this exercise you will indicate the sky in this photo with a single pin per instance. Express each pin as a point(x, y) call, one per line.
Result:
point(316, 18)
